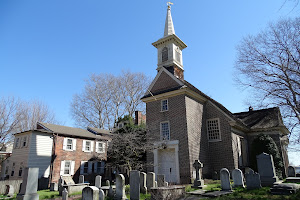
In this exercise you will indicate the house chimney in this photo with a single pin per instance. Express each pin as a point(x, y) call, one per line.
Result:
point(139, 118)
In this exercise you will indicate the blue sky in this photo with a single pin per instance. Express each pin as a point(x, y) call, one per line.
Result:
point(49, 47)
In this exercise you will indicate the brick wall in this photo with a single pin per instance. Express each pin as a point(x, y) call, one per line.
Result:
point(164, 82)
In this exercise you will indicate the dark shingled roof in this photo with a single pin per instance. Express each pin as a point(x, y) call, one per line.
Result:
point(265, 118)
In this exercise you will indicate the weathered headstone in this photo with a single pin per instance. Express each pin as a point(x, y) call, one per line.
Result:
point(143, 187)
point(266, 169)
point(160, 180)
point(107, 183)
point(291, 171)
point(60, 185)
point(120, 187)
point(81, 179)
point(225, 181)
point(150, 182)
point(156, 185)
point(29, 185)
point(101, 194)
point(9, 190)
point(252, 180)
point(90, 193)
point(65, 194)
point(198, 182)
point(166, 184)
point(98, 181)
point(53, 187)
point(134, 182)
point(238, 178)
point(110, 192)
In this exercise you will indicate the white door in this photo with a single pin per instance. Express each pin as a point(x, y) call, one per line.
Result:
point(167, 165)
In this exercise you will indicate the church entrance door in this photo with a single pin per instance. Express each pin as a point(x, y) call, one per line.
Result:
point(167, 165)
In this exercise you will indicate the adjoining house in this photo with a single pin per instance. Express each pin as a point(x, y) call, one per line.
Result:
point(58, 150)
point(188, 125)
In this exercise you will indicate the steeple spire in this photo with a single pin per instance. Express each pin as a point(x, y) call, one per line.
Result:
point(169, 27)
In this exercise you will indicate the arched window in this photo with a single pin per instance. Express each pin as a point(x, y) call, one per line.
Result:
point(164, 54)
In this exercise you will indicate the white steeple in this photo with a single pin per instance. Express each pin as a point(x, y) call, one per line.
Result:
point(169, 49)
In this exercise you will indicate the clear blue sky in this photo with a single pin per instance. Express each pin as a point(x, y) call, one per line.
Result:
point(48, 47)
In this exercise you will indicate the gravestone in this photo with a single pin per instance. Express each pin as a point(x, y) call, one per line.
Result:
point(101, 194)
point(110, 192)
point(252, 180)
point(9, 190)
point(107, 183)
point(225, 181)
point(134, 185)
point(98, 181)
point(160, 180)
point(29, 185)
point(238, 178)
point(65, 194)
point(53, 187)
point(166, 184)
point(198, 182)
point(266, 169)
point(90, 193)
point(156, 185)
point(150, 182)
point(120, 187)
point(60, 186)
point(291, 171)
point(81, 179)
point(143, 180)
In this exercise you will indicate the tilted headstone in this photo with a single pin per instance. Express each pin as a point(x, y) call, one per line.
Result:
point(238, 178)
point(291, 171)
point(150, 182)
point(143, 180)
point(81, 179)
point(53, 187)
point(98, 181)
point(198, 182)
point(90, 193)
point(101, 194)
point(9, 190)
point(266, 169)
point(225, 179)
point(107, 183)
point(160, 180)
point(120, 187)
point(134, 182)
point(252, 180)
point(65, 194)
point(29, 185)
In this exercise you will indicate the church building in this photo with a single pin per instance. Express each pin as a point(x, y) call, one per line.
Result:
point(187, 125)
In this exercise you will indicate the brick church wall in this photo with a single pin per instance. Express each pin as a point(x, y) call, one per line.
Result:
point(163, 83)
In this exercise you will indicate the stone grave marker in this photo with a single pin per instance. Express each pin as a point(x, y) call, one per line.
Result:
point(120, 187)
point(291, 171)
point(90, 193)
point(225, 179)
point(150, 182)
point(60, 185)
point(198, 182)
point(98, 181)
point(134, 182)
point(156, 185)
point(110, 192)
point(65, 194)
point(101, 194)
point(107, 183)
point(81, 179)
point(29, 185)
point(238, 178)
point(9, 190)
point(53, 187)
point(266, 169)
point(160, 180)
point(252, 180)
point(143, 180)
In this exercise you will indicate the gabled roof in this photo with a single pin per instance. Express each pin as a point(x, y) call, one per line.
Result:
point(99, 131)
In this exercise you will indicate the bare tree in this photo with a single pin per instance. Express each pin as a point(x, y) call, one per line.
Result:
point(269, 65)
point(107, 97)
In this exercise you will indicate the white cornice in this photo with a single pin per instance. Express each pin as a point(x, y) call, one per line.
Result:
point(169, 39)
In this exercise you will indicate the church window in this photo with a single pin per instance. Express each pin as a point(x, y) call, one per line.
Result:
point(164, 105)
point(164, 54)
point(177, 55)
point(213, 130)
point(165, 130)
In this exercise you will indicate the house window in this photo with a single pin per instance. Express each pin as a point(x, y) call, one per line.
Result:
point(13, 169)
point(164, 54)
point(100, 147)
point(213, 130)
point(6, 170)
point(17, 142)
point(69, 144)
point(67, 167)
point(87, 146)
point(100, 167)
point(85, 167)
point(20, 170)
point(165, 130)
point(24, 141)
point(164, 105)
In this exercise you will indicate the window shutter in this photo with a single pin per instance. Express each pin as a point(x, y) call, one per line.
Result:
point(90, 167)
point(97, 144)
point(62, 167)
point(92, 146)
point(95, 165)
point(74, 144)
point(83, 145)
point(81, 167)
point(102, 167)
point(104, 145)
point(65, 144)
point(72, 167)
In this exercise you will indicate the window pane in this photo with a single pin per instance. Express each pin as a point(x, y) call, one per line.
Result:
point(165, 131)
point(69, 144)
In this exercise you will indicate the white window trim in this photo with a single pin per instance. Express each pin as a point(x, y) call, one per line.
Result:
point(103, 146)
point(84, 144)
point(161, 105)
point(73, 144)
point(161, 135)
point(62, 167)
point(214, 140)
